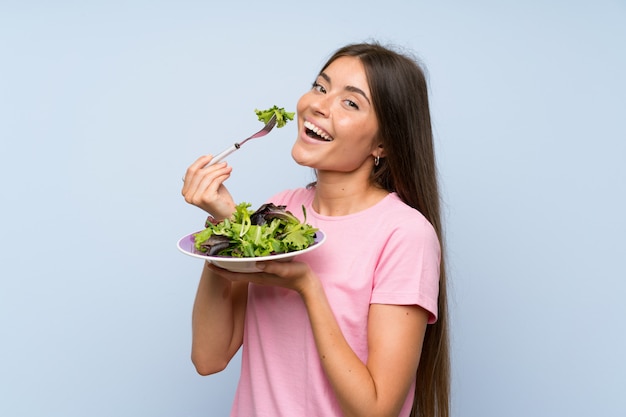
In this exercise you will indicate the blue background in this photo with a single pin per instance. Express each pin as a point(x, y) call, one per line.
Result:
point(104, 104)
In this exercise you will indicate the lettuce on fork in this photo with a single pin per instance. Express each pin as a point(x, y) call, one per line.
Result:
point(282, 116)
point(268, 231)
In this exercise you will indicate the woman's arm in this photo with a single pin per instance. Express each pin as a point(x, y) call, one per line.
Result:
point(219, 308)
point(217, 322)
point(395, 336)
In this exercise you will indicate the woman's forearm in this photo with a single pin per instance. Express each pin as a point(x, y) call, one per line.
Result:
point(380, 386)
point(348, 375)
point(217, 322)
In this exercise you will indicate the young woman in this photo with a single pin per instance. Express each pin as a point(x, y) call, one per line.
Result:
point(357, 327)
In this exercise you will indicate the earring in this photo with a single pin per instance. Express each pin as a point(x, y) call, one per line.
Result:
point(376, 160)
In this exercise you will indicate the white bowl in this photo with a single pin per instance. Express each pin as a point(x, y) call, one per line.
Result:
point(187, 246)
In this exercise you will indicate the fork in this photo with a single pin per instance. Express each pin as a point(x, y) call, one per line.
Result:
point(266, 129)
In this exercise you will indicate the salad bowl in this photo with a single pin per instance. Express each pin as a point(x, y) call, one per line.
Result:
point(186, 245)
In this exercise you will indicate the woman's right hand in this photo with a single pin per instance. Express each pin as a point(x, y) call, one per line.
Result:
point(204, 187)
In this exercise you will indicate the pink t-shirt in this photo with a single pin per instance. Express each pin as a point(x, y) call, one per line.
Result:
point(386, 254)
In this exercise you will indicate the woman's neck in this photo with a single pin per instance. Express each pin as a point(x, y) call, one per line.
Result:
point(338, 195)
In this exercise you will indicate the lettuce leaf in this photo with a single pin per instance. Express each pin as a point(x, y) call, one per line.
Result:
point(269, 230)
point(282, 116)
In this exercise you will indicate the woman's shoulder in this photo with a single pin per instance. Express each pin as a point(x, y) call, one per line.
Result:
point(394, 207)
point(400, 216)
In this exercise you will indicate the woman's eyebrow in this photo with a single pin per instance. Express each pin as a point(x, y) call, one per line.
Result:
point(358, 91)
point(350, 88)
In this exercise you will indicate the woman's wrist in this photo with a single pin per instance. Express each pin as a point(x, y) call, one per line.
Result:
point(311, 287)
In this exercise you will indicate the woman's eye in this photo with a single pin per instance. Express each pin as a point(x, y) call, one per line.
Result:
point(317, 86)
point(351, 103)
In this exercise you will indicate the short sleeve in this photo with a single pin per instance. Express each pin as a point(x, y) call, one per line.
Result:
point(407, 272)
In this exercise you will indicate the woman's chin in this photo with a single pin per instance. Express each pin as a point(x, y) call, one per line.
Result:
point(301, 158)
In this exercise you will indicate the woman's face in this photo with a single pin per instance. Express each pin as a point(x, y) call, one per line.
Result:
point(337, 126)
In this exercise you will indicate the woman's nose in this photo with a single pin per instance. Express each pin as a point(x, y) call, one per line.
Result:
point(321, 104)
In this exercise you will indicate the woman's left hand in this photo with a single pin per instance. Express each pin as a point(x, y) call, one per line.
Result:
point(291, 275)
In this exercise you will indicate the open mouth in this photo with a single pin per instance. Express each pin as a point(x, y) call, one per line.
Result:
point(315, 132)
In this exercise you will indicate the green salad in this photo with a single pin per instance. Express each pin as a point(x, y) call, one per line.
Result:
point(282, 116)
point(267, 231)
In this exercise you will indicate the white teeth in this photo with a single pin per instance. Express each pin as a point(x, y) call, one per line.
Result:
point(317, 131)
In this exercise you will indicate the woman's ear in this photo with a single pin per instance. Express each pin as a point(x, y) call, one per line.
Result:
point(380, 151)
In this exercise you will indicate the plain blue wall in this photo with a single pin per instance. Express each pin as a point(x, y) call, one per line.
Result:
point(103, 105)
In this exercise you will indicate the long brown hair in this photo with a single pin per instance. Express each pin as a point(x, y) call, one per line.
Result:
point(399, 92)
